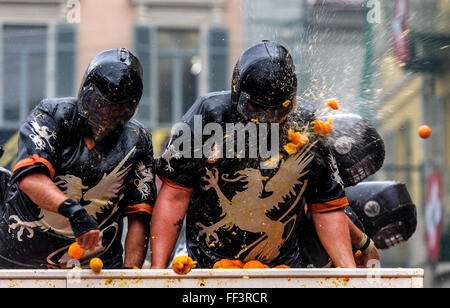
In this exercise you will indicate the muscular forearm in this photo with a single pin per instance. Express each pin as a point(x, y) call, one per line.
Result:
point(370, 257)
point(42, 191)
point(136, 243)
point(333, 231)
point(168, 215)
point(356, 235)
point(45, 194)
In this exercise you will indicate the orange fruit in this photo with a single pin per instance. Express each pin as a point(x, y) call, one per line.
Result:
point(358, 258)
point(322, 128)
point(297, 138)
point(228, 264)
point(282, 266)
point(96, 265)
point(75, 251)
point(333, 104)
point(291, 148)
point(254, 264)
point(183, 265)
point(424, 131)
point(238, 263)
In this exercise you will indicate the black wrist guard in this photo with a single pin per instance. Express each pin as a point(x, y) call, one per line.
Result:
point(80, 221)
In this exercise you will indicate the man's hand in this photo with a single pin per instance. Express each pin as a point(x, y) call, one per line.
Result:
point(370, 260)
point(89, 240)
point(85, 228)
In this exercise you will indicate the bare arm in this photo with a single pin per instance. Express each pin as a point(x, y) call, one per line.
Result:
point(333, 231)
point(45, 194)
point(368, 260)
point(168, 214)
point(42, 191)
point(136, 243)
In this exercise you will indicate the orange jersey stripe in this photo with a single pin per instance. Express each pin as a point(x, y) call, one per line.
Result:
point(33, 160)
point(328, 206)
point(173, 185)
point(137, 208)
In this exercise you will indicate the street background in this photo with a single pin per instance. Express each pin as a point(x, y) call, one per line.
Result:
point(388, 60)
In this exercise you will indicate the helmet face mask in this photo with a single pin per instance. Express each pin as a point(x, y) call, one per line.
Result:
point(104, 116)
point(252, 111)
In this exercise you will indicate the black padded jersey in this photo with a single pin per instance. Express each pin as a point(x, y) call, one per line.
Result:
point(239, 208)
point(111, 179)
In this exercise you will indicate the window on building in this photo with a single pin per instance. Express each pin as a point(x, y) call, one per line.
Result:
point(177, 53)
point(24, 70)
point(172, 64)
point(24, 74)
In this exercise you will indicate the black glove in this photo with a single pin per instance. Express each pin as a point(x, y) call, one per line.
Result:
point(79, 218)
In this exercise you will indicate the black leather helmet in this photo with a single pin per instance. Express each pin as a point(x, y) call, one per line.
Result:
point(264, 83)
point(111, 90)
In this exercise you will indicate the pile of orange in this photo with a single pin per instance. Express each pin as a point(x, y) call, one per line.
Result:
point(228, 264)
point(255, 264)
point(238, 264)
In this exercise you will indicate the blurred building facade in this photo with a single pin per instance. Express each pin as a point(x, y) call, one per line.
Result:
point(388, 60)
point(187, 47)
point(414, 67)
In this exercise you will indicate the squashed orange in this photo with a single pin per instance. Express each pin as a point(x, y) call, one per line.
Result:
point(228, 264)
point(183, 265)
point(333, 104)
point(75, 251)
point(282, 266)
point(322, 128)
point(291, 148)
point(297, 138)
point(255, 264)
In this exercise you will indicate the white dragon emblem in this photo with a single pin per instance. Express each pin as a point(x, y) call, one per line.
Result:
point(248, 210)
point(99, 198)
point(334, 167)
point(41, 135)
point(144, 176)
point(168, 155)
